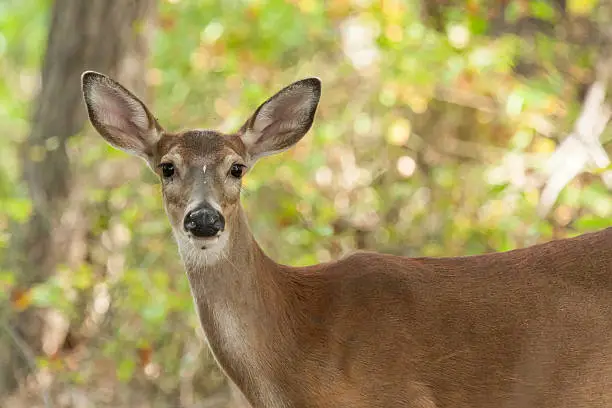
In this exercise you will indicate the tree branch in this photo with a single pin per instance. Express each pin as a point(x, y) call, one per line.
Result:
point(582, 146)
point(28, 355)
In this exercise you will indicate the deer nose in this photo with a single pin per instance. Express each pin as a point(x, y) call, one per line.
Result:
point(204, 222)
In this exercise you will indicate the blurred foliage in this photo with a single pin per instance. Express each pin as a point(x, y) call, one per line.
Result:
point(431, 138)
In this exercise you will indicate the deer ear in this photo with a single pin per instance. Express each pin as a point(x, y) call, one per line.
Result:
point(282, 120)
point(119, 116)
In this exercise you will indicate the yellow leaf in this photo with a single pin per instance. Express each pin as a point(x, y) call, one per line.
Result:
point(307, 6)
point(581, 7)
point(21, 299)
point(532, 196)
point(394, 33)
point(541, 145)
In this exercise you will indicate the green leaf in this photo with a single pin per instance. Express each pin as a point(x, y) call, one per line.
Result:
point(156, 311)
point(7, 278)
point(478, 25)
point(18, 209)
point(499, 188)
point(542, 10)
point(82, 278)
point(44, 295)
point(591, 223)
point(125, 371)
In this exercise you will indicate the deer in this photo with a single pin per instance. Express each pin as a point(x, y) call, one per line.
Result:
point(526, 328)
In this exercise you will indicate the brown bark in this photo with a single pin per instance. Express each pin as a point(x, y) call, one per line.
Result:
point(104, 35)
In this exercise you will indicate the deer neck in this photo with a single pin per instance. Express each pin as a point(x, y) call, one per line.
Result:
point(238, 292)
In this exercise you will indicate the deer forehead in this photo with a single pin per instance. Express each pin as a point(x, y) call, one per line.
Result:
point(201, 148)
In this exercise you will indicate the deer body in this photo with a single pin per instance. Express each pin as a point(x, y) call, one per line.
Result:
point(529, 328)
point(516, 329)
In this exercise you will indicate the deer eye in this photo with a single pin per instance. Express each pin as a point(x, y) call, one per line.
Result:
point(167, 169)
point(237, 170)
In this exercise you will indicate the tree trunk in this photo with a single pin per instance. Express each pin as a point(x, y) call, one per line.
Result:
point(110, 36)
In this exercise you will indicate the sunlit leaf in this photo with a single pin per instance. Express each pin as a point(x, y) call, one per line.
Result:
point(581, 7)
point(125, 370)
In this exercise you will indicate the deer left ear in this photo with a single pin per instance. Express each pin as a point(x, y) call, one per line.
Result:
point(282, 120)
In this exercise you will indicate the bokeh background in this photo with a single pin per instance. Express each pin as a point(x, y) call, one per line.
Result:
point(445, 128)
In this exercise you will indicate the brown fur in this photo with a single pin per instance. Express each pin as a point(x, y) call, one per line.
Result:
point(529, 328)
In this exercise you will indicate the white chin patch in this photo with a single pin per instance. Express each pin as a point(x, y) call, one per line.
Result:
point(208, 243)
point(219, 245)
point(200, 252)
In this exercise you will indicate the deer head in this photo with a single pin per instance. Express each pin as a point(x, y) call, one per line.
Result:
point(200, 170)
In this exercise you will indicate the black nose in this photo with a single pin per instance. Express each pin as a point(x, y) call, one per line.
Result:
point(204, 222)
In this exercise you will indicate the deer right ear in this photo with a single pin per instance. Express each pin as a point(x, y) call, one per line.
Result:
point(282, 120)
point(119, 116)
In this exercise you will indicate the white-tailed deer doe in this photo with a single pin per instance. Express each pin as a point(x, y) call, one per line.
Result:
point(521, 329)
